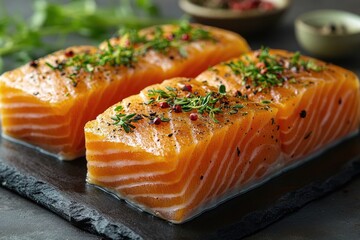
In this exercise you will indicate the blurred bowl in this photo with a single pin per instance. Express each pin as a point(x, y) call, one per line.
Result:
point(244, 22)
point(328, 33)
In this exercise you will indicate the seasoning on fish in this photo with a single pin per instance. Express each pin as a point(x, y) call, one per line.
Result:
point(47, 102)
point(187, 164)
point(318, 103)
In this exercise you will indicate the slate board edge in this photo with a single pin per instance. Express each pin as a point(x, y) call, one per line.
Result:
point(92, 221)
point(51, 198)
point(295, 200)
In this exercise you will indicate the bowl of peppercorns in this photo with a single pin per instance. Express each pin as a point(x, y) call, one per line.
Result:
point(329, 33)
point(246, 17)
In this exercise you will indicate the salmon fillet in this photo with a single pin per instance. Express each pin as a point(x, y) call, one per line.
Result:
point(47, 102)
point(317, 102)
point(181, 147)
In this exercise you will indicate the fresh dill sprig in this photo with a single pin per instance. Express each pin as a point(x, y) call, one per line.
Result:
point(264, 73)
point(118, 55)
point(125, 120)
point(298, 63)
point(268, 70)
point(162, 41)
point(212, 103)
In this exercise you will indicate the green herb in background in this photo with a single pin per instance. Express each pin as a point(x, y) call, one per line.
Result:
point(21, 38)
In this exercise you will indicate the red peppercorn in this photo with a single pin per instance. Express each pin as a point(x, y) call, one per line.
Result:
point(164, 105)
point(257, 54)
point(177, 109)
point(157, 121)
point(34, 64)
point(187, 87)
point(260, 65)
point(170, 37)
point(69, 53)
point(267, 6)
point(193, 116)
point(185, 37)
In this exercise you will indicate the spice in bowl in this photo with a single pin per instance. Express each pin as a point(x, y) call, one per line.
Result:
point(246, 17)
point(238, 5)
point(334, 28)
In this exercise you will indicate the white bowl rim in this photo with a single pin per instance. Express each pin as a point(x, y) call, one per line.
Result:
point(300, 21)
point(217, 13)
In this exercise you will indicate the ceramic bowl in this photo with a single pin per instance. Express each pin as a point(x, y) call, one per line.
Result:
point(243, 22)
point(329, 33)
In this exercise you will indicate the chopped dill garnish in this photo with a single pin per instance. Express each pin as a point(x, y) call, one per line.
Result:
point(125, 120)
point(269, 70)
point(138, 44)
point(212, 103)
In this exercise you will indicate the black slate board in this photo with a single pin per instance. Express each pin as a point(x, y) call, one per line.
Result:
point(61, 188)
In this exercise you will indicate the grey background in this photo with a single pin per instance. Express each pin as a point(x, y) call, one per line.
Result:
point(336, 216)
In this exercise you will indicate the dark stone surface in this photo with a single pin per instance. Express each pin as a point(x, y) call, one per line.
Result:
point(22, 219)
point(60, 187)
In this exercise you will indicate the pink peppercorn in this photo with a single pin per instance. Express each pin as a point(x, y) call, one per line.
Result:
point(177, 109)
point(157, 121)
point(164, 105)
point(185, 37)
point(193, 116)
point(69, 53)
point(260, 65)
point(187, 87)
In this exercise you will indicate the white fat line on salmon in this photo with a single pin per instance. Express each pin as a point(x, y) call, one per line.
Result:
point(258, 151)
point(338, 128)
point(324, 113)
point(34, 127)
point(16, 105)
point(120, 163)
point(110, 151)
point(27, 115)
point(184, 189)
point(278, 169)
point(330, 104)
point(238, 152)
point(311, 122)
point(128, 176)
point(232, 149)
point(225, 144)
point(141, 184)
point(299, 122)
point(187, 170)
point(338, 115)
point(246, 151)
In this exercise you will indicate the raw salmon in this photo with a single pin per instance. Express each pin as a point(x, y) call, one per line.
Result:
point(181, 147)
point(47, 102)
point(318, 103)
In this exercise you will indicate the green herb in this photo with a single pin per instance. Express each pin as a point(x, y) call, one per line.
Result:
point(263, 74)
point(235, 108)
point(125, 120)
point(113, 56)
point(269, 70)
point(298, 63)
point(138, 45)
point(163, 42)
point(23, 37)
point(212, 103)
point(265, 101)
